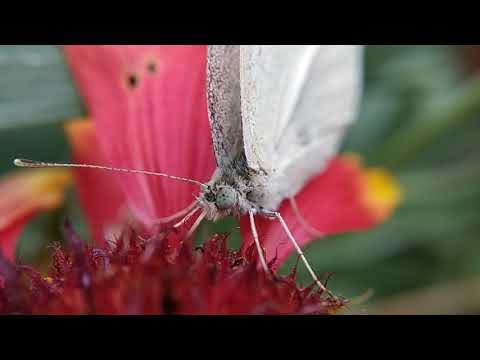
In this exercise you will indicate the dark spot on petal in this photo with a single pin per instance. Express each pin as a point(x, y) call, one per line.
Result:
point(132, 81)
point(152, 67)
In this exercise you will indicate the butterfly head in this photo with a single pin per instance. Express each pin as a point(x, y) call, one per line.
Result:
point(226, 197)
point(223, 197)
point(219, 200)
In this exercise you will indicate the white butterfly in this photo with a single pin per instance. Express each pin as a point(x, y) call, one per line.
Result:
point(277, 116)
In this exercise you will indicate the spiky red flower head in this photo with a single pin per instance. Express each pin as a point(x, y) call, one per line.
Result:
point(135, 276)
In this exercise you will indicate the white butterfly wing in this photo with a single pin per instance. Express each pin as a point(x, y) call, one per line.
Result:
point(223, 89)
point(297, 102)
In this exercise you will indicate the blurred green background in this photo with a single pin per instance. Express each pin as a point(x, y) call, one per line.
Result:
point(420, 119)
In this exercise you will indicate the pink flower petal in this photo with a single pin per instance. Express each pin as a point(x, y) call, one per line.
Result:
point(99, 194)
point(149, 107)
point(344, 198)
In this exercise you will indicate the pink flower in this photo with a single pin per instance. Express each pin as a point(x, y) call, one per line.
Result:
point(148, 111)
point(149, 107)
point(148, 104)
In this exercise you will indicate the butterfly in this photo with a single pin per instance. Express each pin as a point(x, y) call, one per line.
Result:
point(277, 116)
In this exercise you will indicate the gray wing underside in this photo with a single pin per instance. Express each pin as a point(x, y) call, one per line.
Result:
point(297, 103)
point(223, 92)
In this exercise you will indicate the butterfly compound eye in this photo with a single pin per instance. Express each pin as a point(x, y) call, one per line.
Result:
point(226, 198)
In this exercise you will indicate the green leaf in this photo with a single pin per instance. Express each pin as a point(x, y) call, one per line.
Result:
point(434, 121)
point(36, 87)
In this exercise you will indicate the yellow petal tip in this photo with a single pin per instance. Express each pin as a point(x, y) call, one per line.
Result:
point(383, 193)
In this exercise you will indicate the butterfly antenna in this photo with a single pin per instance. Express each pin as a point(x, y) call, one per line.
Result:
point(40, 164)
point(257, 242)
point(302, 256)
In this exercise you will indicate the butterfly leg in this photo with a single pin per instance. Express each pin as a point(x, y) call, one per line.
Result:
point(257, 241)
point(302, 255)
point(177, 215)
point(186, 218)
point(309, 228)
point(196, 224)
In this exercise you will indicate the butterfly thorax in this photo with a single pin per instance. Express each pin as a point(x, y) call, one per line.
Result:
point(234, 191)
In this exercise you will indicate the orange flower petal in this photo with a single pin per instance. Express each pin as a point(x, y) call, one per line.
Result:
point(100, 196)
point(24, 194)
